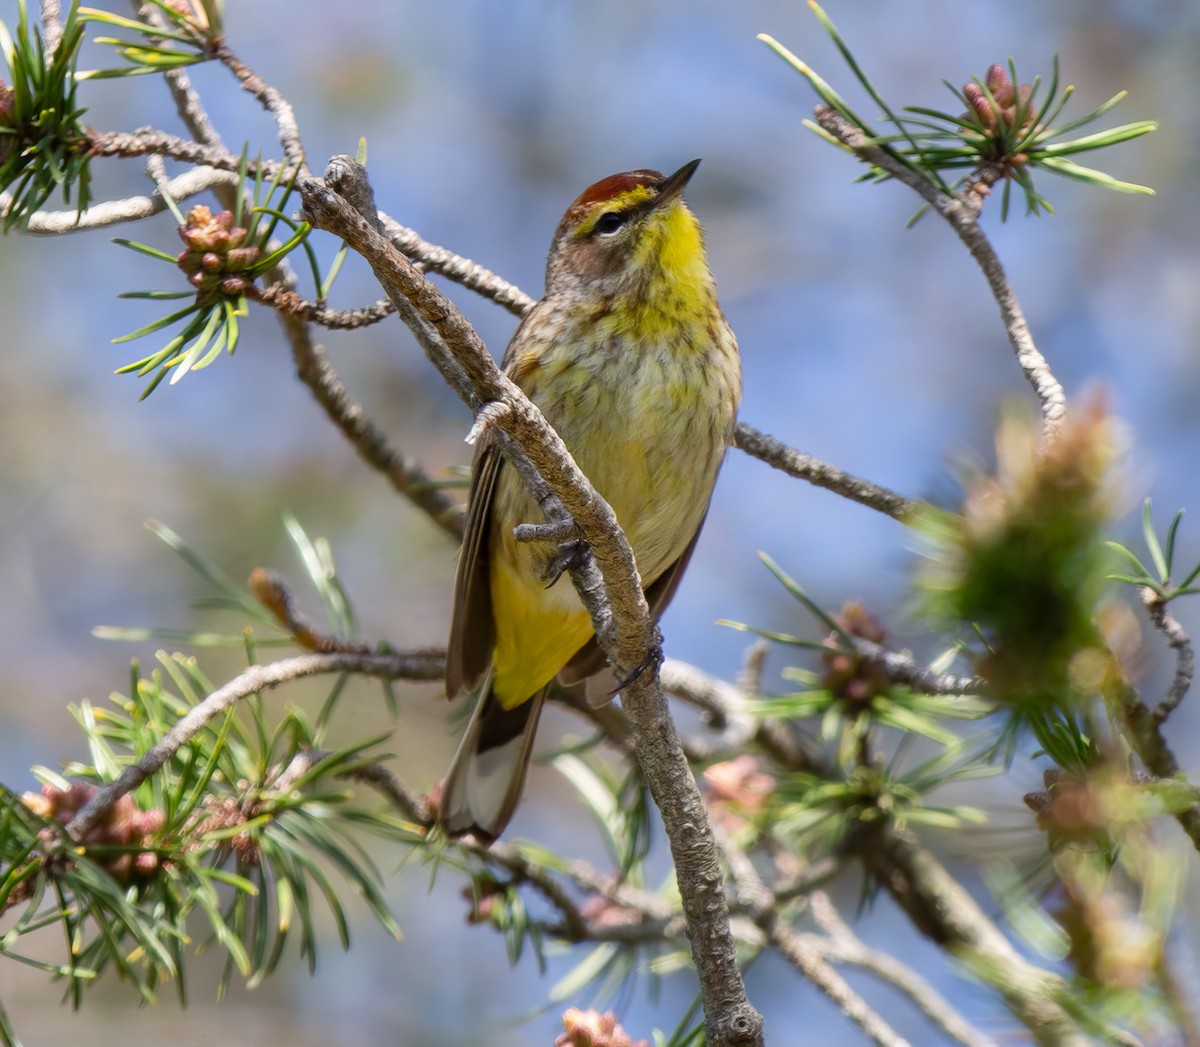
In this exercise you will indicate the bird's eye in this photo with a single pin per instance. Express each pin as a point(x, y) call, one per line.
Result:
point(608, 223)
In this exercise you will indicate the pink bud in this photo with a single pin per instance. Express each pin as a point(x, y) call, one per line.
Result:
point(1000, 84)
point(979, 102)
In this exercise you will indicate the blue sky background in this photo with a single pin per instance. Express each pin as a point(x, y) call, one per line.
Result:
point(875, 348)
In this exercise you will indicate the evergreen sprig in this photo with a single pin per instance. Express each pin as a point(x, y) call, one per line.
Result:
point(1162, 558)
point(230, 844)
point(44, 145)
point(1005, 133)
point(192, 33)
point(222, 260)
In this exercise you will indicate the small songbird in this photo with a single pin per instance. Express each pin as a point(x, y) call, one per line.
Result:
point(631, 360)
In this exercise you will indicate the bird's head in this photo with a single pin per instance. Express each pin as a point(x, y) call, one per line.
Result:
point(627, 232)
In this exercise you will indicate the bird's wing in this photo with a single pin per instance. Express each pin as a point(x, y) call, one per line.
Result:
point(472, 627)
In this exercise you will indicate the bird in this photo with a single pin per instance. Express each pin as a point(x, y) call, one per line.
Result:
point(629, 357)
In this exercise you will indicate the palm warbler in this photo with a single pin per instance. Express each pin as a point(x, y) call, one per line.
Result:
point(630, 359)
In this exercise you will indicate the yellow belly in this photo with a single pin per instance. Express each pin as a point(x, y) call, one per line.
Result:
point(649, 427)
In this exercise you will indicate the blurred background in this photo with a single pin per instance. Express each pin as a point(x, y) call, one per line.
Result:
point(874, 348)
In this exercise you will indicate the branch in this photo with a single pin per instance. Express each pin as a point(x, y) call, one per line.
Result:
point(52, 26)
point(130, 209)
point(903, 669)
point(187, 100)
point(721, 703)
point(503, 855)
point(1143, 729)
point(272, 101)
point(935, 902)
point(962, 214)
point(1185, 660)
point(797, 949)
point(941, 908)
point(148, 141)
point(433, 258)
point(471, 275)
point(401, 665)
point(285, 300)
point(630, 644)
point(804, 954)
point(405, 473)
point(844, 946)
point(804, 467)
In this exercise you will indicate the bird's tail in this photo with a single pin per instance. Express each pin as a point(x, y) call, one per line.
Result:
point(485, 780)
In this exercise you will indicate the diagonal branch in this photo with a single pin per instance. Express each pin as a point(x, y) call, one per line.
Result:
point(844, 946)
point(804, 467)
point(628, 637)
point(272, 101)
point(940, 907)
point(471, 275)
point(934, 901)
point(803, 952)
point(404, 472)
point(400, 665)
point(962, 216)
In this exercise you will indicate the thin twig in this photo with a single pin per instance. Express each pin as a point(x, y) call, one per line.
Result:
point(904, 669)
point(187, 100)
point(405, 473)
point(630, 643)
point(962, 214)
point(1185, 660)
point(935, 902)
point(721, 703)
point(130, 209)
point(148, 140)
point(941, 908)
point(285, 300)
point(399, 665)
point(805, 877)
point(503, 855)
point(754, 662)
point(272, 101)
point(844, 946)
point(270, 591)
point(753, 896)
point(471, 275)
point(798, 950)
point(805, 467)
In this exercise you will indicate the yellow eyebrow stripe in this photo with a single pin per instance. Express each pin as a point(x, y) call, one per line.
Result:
point(625, 201)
